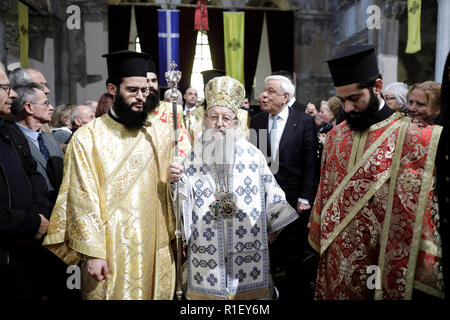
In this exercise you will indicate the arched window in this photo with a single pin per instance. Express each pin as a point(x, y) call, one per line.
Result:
point(202, 62)
point(138, 45)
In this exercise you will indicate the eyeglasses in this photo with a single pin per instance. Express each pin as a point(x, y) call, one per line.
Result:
point(46, 103)
point(135, 90)
point(6, 87)
point(226, 119)
point(272, 92)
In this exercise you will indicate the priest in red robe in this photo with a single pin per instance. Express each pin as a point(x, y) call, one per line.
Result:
point(374, 222)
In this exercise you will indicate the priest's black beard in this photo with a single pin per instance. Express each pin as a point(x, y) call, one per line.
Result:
point(367, 117)
point(134, 119)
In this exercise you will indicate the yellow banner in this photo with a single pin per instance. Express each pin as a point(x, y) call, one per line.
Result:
point(414, 43)
point(23, 33)
point(233, 28)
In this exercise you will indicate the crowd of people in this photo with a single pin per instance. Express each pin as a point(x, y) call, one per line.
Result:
point(282, 201)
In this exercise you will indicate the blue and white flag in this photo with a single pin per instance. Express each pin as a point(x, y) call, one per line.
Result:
point(168, 40)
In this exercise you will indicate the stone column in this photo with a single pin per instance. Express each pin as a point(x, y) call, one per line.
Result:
point(313, 42)
point(388, 41)
point(442, 37)
point(2, 42)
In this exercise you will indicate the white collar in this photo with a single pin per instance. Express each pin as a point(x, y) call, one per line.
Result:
point(283, 114)
point(291, 102)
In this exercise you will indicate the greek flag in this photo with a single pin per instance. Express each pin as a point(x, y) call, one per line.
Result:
point(168, 40)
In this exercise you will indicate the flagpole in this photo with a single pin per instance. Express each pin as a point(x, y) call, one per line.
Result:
point(172, 78)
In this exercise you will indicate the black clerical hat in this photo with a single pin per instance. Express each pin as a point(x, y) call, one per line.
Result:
point(126, 63)
point(353, 64)
point(210, 74)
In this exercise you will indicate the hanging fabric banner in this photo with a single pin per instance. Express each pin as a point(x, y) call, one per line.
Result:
point(201, 16)
point(414, 42)
point(233, 28)
point(23, 33)
point(168, 40)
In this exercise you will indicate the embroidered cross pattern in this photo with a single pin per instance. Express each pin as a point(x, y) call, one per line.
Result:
point(191, 170)
point(215, 208)
point(208, 234)
point(212, 280)
point(202, 249)
point(194, 217)
point(241, 275)
point(247, 259)
point(208, 217)
point(198, 278)
point(253, 166)
point(248, 245)
point(241, 232)
point(204, 169)
point(254, 214)
point(255, 273)
point(195, 233)
point(199, 193)
point(248, 190)
point(277, 198)
point(240, 167)
point(241, 215)
point(255, 230)
point(204, 264)
point(267, 178)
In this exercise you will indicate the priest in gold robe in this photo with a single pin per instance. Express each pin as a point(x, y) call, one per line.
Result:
point(112, 213)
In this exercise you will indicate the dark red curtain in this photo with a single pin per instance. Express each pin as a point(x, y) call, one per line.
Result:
point(280, 29)
point(119, 18)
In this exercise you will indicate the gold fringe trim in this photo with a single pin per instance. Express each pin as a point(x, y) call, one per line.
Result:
point(420, 212)
point(87, 249)
point(429, 290)
point(392, 184)
point(430, 247)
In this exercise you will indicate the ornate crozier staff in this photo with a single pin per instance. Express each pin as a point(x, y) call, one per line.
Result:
point(172, 78)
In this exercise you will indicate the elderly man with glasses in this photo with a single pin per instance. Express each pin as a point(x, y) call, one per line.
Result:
point(34, 111)
point(24, 208)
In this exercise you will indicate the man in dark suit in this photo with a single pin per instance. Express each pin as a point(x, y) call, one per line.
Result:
point(34, 110)
point(291, 144)
point(24, 207)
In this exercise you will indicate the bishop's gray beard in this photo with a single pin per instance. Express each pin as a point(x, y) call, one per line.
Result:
point(217, 147)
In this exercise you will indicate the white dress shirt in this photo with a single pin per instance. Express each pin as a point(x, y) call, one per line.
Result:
point(186, 109)
point(281, 123)
point(291, 102)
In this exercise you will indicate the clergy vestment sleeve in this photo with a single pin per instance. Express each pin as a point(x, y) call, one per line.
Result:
point(279, 212)
point(76, 217)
